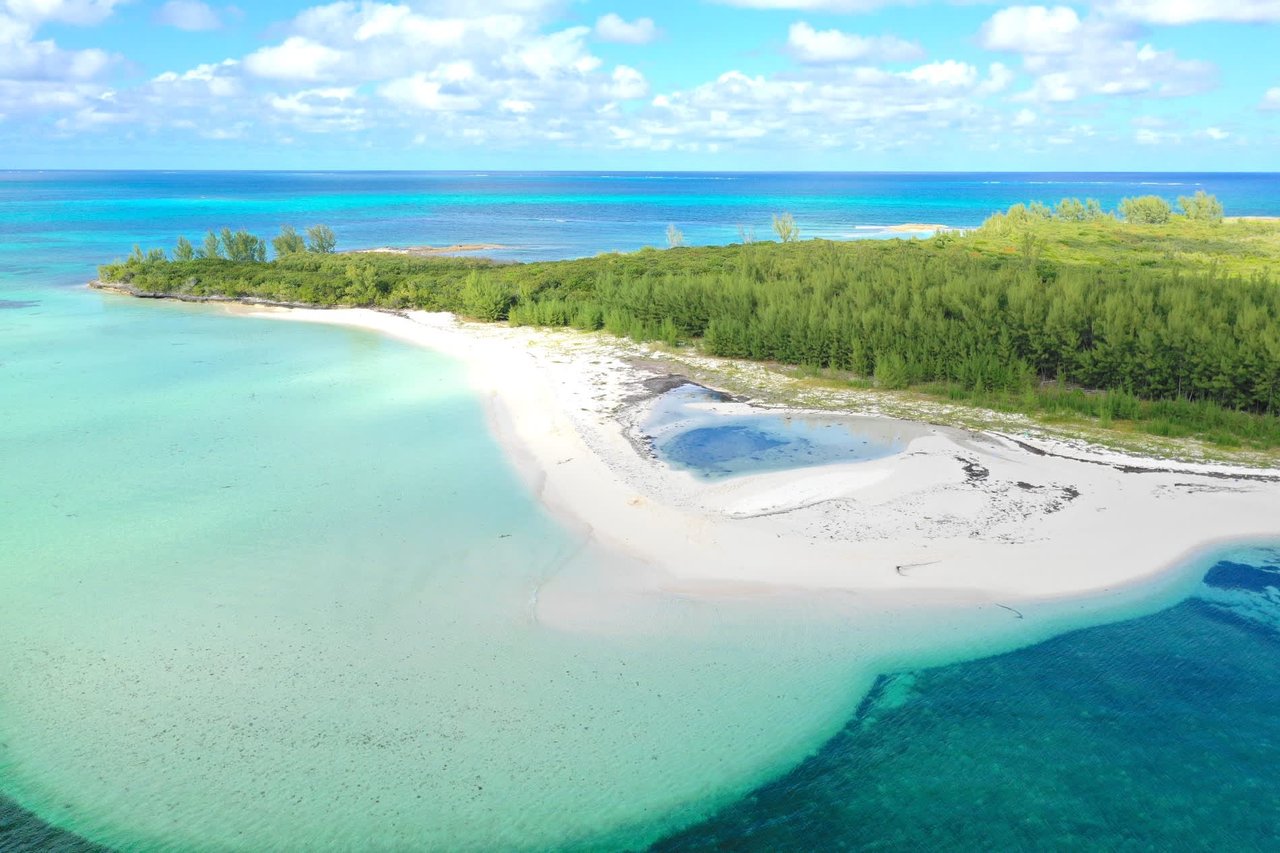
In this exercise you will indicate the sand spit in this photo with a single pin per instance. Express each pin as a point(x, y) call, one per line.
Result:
point(430, 251)
point(914, 227)
point(987, 515)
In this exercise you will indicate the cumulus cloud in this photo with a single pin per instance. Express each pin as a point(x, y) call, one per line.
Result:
point(81, 12)
point(812, 5)
point(821, 46)
point(1271, 99)
point(1032, 29)
point(190, 15)
point(628, 83)
point(1179, 12)
point(44, 60)
point(512, 73)
point(424, 91)
point(852, 107)
point(213, 79)
point(297, 58)
point(550, 56)
point(319, 110)
point(23, 57)
point(612, 27)
point(1071, 58)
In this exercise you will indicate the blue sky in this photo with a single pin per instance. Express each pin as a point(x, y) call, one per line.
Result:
point(613, 84)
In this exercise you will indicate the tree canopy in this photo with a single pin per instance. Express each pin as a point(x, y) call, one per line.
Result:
point(1183, 314)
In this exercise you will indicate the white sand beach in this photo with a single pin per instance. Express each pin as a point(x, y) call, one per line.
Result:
point(913, 227)
point(991, 516)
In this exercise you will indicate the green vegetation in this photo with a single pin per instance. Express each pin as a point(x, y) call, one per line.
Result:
point(786, 229)
point(1201, 207)
point(1146, 210)
point(289, 242)
point(1067, 311)
point(320, 240)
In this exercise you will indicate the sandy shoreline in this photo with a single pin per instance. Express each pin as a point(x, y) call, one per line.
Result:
point(913, 227)
point(430, 251)
point(955, 512)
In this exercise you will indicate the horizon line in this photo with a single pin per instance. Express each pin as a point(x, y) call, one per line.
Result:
point(484, 172)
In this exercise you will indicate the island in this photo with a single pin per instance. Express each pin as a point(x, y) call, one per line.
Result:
point(1080, 399)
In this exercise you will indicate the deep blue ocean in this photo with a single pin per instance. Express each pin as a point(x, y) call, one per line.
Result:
point(1161, 732)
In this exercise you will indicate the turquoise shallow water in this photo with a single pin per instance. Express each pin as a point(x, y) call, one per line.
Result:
point(273, 586)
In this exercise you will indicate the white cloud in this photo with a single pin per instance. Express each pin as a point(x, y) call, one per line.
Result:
point(81, 12)
point(612, 27)
point(1121, 68)
point(320, 109)
point(852, 108)
point(422, 92)
point(1178, 12)
point(628, 83)
point(515, 106)
point(23, 57)
point(216, 79)
point(36, 75)
point(1071, 58)
point(44, 60)
point(1271, 99)
point(556, 54)
point(820, 46)
point(945, 74)
point(999, 78)
point(297, 58)
point(191, 15)
point(89, 118)
point(813, 5)
point(1217, 134)
point(505, 74)
point(1147, 136)
point(1032, 29)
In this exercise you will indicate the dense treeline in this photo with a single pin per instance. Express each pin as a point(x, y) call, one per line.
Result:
point(944, 311)
point(909, 315)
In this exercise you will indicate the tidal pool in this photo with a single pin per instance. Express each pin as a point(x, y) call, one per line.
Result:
point(687, 432)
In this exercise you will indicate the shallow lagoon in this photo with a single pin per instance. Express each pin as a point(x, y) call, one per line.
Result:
point(688, 432)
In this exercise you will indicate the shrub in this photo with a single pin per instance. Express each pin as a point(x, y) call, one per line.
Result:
point(1201, 207)
point(1146, 210)
point(321, 240)
point(484, 298)
point(786, 229)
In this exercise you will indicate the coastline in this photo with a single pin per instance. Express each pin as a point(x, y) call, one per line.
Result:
point(987, 516)
point(429, 251)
